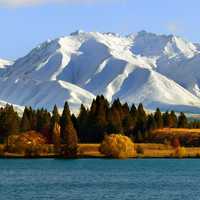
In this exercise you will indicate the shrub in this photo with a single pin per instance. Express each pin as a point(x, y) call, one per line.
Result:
point(117, 146)
point(139, 150)
point(32, 152)
point(180, 152)
point(19, 143)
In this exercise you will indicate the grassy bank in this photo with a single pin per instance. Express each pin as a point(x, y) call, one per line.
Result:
point(145, 150)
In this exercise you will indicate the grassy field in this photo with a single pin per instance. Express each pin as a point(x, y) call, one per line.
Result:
point(150, 150)
point(187, 137)
point(160, 149)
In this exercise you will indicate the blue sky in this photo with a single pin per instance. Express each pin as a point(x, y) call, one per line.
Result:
point(24, 24)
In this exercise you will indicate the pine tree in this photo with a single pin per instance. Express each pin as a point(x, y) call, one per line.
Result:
point(68, 133)
point(182, 121)
point(97, 120)
point(55, 121)
point(114, 121)
point(173, 119)
point(166, 119)
point(56, 139)
point(75, 122)
point(141, 121)
point(64, 120)
point(158, 119)
point(43, 123)
point(82, 124)
point(151, 123)
point(25, 124)
point(128, 125)
point(9, 121)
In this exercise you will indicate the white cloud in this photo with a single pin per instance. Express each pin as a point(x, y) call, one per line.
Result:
point(18, 3)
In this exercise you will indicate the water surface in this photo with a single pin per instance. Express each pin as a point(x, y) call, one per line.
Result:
point(96, 179)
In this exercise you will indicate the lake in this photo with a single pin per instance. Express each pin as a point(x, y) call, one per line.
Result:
point(96, 179)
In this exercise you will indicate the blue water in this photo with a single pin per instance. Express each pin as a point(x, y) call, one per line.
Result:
point(96, 179)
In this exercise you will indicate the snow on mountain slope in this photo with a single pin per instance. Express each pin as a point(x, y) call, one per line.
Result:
point(156, 90)
point(153, 45)
point(136, 68)
point(4, 63)
point(46, 94)
point(173, 57)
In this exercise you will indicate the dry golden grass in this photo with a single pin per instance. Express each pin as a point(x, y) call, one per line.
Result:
point(188, 137)
point(89, 150)
point(178, 130)
point(151, 150)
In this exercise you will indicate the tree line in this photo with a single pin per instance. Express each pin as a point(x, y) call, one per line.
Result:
point(91, 124)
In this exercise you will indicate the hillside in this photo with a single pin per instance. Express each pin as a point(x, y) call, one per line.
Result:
point(157, 70)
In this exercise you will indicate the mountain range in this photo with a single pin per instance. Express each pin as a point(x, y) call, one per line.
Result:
point(157, 70)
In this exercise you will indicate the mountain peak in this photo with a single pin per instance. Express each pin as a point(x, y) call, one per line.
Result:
point(77, 32)
point(137, 68)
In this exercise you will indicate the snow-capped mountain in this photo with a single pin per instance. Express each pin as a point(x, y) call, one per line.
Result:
point(157, 70)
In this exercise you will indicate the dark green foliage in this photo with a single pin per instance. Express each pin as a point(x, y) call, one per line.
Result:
point(166, 119)
point(182, 121)
point(158, 118)
point(151, 123)
point(55, 119)
point(25, 124)
point(97, 120)
point(90, 125)
point(65, 118)
point(68, 134)
point(141, 123)
point(82, 124)
point(9, 122)
point(43, 123)
point(114, 121)
point(173, 119)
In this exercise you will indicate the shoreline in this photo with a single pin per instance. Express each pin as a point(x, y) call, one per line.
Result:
point(91, 151)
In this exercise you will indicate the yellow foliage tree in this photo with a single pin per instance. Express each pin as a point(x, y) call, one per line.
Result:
point(180, 152)
point(117, 146)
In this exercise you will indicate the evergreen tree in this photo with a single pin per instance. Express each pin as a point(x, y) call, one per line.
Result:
point(173, 119)
point(9, 121)
point(114, 121)
point(151, 123)
point(43, 123)
point(118, 106)
point(166, 119)
point(65, 117)
point(82, 124)
point(97, 119)
point(55, 119)
point(182, 121)
point(25, 124)
point(56, 139)
point(68, 133)
point(75, 122)
point(128, 125)
point(141, 122)
point(158, 119)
